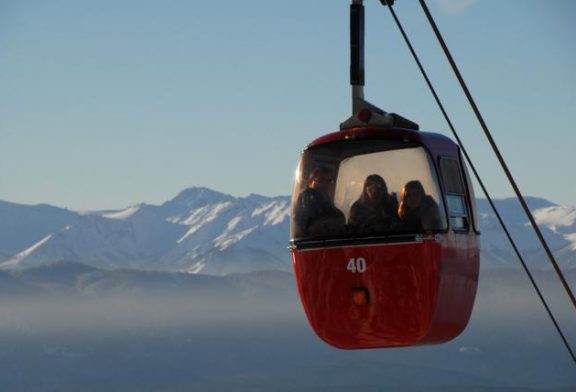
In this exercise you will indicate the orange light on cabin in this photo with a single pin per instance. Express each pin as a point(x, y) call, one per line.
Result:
point(360, 296)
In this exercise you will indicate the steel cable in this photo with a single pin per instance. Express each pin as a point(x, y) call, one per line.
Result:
point(478, 178)
point(498, 154)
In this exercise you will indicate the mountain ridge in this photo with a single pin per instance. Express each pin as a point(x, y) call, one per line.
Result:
point(204, 231)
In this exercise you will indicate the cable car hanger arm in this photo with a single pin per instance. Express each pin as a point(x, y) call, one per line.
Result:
point(363, 112)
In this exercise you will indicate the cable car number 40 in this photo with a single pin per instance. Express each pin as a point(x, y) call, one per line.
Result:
point(357, 265)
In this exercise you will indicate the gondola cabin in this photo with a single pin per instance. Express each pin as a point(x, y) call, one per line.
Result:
point(384, 238)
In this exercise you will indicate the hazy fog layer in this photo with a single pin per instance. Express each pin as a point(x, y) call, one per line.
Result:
point(248, 333)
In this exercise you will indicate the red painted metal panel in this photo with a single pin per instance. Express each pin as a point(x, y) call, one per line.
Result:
point(402, 281)
point(458, 281)
point(417, 293)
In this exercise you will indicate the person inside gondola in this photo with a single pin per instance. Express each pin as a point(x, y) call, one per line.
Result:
point(418, 211)
point(375, 211)
point(315, 214)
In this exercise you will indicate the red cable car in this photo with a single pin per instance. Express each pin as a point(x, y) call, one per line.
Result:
point(384, 236)
point(397, 283)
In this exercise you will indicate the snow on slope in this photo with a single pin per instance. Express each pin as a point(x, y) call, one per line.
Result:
point(15, 261)
point(556, 216)
point(559, 219)
point(22, 226)
point(123, 214)
point(246, 230)
point(572, 239)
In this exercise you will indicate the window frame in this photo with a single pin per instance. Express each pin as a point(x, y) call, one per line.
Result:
point(463, 196)
point(334, 160)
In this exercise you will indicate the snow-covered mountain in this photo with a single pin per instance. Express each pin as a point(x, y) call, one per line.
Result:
point(557, 223)
point(203, 231)
point(22, 226)
point(198, 231)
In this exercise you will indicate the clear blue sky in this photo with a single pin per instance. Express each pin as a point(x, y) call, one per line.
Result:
point(105, 104)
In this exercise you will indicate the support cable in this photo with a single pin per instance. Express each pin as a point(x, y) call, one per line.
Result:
point(486, 193)
point(498, 154)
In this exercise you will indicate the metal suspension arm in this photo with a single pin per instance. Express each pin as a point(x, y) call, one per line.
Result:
point(363, 112)
point(357, 53)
